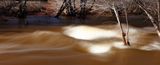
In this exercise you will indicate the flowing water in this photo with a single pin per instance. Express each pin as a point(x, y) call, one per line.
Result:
point(77, 45)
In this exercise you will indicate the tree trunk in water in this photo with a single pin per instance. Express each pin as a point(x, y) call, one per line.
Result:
point(127, 31)
point(119, 23)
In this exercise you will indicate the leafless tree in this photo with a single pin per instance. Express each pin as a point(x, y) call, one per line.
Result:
point(72, 10)
point(7, 6)
point(142, 4)
point(117, 5)
point(70, 6)
point(126, 4)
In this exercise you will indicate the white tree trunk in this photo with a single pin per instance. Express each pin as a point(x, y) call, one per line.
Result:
point(152, 20)
point(119, 23)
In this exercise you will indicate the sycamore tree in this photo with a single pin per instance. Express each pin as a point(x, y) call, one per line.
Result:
point(152, 10)
point(150, 7)
point(118, 6)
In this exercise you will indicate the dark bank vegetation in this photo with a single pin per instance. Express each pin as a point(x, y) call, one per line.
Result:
point(19, 7)
point(82, 8)
point(73, 10)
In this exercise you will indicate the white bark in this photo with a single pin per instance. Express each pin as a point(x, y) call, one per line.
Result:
point(152, 19)
point(121, 27)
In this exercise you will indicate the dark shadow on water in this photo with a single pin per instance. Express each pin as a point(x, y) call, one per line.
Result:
point(138, 21)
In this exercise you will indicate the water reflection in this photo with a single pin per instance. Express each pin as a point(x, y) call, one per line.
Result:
point(154, 46)
point(97, 45)
point(98, 49)
point(101, 38)
point(89, 33)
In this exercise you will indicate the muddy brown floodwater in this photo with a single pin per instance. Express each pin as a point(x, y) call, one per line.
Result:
point(78, 45)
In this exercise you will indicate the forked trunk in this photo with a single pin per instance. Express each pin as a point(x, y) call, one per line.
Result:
point(119, 23)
